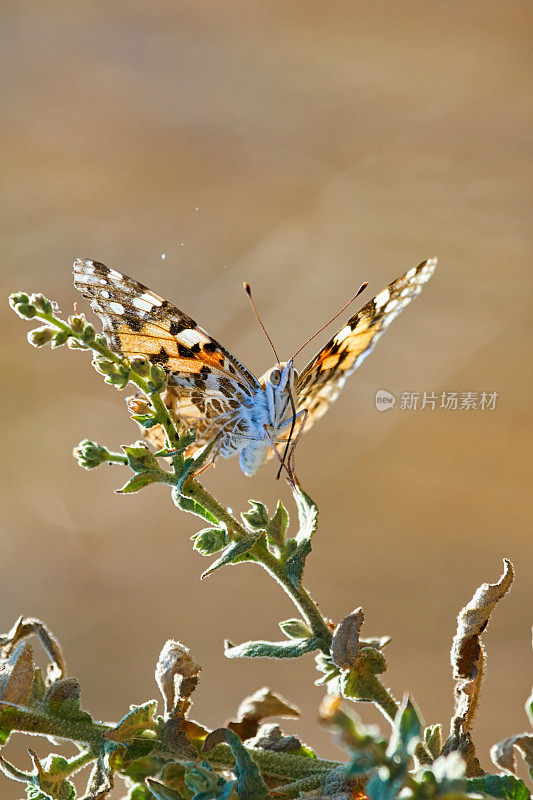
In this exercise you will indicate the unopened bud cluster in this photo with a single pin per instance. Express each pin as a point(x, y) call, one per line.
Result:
point(90, 454)
point(118, 374)
point(210, 540)
point(28, 306)
point(115, 374)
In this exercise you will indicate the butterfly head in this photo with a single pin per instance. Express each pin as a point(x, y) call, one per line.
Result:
point(278, 386)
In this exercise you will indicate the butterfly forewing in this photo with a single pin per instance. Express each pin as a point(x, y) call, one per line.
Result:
point(322, 379)
point(204, 380)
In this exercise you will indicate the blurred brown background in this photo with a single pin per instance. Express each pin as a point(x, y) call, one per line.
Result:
point(304, 147)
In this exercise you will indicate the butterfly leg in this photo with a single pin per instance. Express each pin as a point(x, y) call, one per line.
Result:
point(290, 458)
point(274, 448)
point(284, 463)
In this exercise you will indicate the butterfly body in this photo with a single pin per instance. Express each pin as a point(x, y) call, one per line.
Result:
point(209, 389)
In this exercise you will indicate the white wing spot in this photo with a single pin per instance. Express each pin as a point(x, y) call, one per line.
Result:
point(381, 298)
point(411, 273)
point(390, 305)
point(154, 299)
point(116, 308)
point(115, 275)
point(190, 337)
point(84, 277)
point(143, 305)
point(105, 294)
point(344, 333)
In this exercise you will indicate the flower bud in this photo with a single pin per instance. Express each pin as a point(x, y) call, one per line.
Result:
point(88, 333)
point(77, 323)
point(20, 303)
point(295, 629)
point(158, 379)
point(60, 338)
point(103, 365)
point(40, 336)
point(141, 366)
point(118, 376)
point(210, 540)
point(138, 405)
point(74, 344)
point(41, 303)
point(90, 454)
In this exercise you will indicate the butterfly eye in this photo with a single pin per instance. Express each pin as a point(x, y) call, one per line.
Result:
point(275, 377)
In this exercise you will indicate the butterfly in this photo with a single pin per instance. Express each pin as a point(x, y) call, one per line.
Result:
point(209, 390)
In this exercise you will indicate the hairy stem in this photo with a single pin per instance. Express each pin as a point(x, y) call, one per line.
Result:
point(299, 596)
point(195, 491)
point(277, 765)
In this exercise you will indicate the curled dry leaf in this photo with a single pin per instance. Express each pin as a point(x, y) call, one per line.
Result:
point(345, 641)
point(467, 654)
point(258, 706)
point(271, 737)
point(503, 753)
point(26, 626)
point(176, 675)
point(468, 658)
point(16, 676)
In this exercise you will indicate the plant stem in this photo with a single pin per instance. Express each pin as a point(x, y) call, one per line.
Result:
point(277, 765)
point(299, 596)
point(195, 491)
point(268, 561)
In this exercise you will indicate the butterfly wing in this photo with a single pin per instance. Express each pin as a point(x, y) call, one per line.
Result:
point(205, 381)
point(323, 378)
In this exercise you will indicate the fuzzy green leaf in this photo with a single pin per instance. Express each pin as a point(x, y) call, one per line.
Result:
point(277, 526)
point(63, 700)
point(50, 777)
point(135, 722)
point(261, 649)
point(240, 549)
point(140, 458)
point(257, 518)
point(307, 517)
point(295, 629)
point(433, 739)
point(190, 505)
point(505, 786)
point(250, 784)
point(140, 793)
point(139, 481)
point(192, 465)
point(161, 792)
point(383, 788)
point(407, 728)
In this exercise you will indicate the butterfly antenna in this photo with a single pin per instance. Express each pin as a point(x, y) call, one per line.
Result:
point(358, 292)
point(248, 290)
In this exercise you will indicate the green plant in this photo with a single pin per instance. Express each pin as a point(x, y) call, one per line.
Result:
point(168, 756)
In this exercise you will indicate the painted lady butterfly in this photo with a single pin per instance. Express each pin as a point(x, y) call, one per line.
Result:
point(209, 389)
